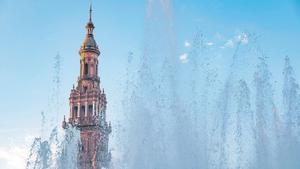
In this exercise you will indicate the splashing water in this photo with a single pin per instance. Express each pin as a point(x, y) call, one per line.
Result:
point(59, 151)
point(196, 115)
point(61, 148)
point(56, 87)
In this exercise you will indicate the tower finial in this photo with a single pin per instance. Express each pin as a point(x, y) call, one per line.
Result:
point(91, 10)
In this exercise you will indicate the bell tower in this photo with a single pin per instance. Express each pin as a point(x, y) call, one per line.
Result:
point(88, 106)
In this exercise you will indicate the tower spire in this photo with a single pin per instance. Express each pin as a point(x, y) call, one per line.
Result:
point(90, 26)
point(89, 44)
point(91, 10)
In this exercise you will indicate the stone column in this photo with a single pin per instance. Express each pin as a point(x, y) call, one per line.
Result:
point(78, 110)
point(97, 107)
point(86, 108)
point(94, 110)
point(71, 110)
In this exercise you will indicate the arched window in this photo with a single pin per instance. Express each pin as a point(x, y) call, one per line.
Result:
point(86, 69)
point(90, 109)
point(75, 110)
point(82, 111)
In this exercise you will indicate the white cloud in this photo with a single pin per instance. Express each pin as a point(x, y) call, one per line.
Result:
point(240, 38)
point(228, 44)
point(184, 58)
point(243, 38)
point(187, 44)
point(13, 157)
point(209, 43)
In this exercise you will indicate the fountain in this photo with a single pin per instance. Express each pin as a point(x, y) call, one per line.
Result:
point(197, 114)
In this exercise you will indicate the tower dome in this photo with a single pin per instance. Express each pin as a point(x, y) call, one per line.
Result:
point(89, 44)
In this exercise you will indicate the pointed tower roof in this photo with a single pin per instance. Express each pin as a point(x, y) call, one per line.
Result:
point(89, 44)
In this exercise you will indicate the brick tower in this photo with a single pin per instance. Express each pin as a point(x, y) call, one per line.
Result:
point(88, 107)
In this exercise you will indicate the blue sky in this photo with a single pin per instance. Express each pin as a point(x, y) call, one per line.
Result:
point(33, 32)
